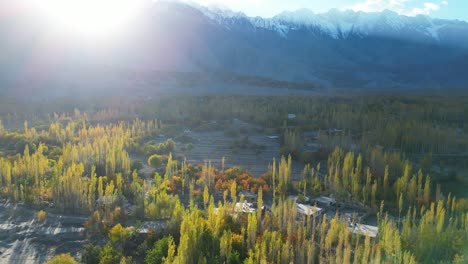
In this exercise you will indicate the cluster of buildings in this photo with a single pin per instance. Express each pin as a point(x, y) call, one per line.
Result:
point(310, 209)
point(305, 209)
point(249, 203)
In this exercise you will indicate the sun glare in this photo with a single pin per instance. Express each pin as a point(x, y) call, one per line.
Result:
point(89, 17)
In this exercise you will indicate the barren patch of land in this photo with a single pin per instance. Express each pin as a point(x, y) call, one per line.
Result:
point(24, 239)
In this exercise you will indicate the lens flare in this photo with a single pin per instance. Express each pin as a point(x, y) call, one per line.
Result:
point(89, 17)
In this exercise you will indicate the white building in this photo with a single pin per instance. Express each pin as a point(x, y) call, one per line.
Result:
point(308, 210)
point(244, 208)
point(365, 230)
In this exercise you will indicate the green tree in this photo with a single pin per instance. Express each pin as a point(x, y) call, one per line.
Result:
point(251, 230)
point(110, 255)
point(154, 161)
point(226, 246)
point(206, 197)
point(158, 252)
point(119, 234)
point(90, 254)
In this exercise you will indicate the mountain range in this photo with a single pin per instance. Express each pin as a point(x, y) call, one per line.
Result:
point(214, 46)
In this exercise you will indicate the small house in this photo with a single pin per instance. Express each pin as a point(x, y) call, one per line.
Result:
point(245, 208)
point(242, 208)
point(303, 210)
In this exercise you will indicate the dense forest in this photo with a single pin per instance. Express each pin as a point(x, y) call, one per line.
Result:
point(394, 158)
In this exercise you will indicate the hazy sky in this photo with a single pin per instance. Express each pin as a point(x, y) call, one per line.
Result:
point(450, 9)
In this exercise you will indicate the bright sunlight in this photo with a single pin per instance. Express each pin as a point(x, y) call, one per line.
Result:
point(89, 17)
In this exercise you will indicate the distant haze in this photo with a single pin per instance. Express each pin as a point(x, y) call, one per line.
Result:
point(174, 44)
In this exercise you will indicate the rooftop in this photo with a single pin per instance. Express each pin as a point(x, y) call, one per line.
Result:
point(308, 210)
point(245, 208)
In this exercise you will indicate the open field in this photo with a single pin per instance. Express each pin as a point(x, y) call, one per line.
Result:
point(251, 148)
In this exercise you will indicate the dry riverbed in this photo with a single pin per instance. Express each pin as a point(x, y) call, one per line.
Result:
point(24, 239)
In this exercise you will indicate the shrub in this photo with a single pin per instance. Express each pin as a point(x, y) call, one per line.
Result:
point(154, 161)
point(189, 146)
point(166, 147)
point(163, 148)
point(61, 259)
point(41, 215)
point(119, 234)
point(110, 255)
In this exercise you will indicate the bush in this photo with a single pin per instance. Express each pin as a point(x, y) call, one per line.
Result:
point(187, 147)
point(61, 259)
point(163, 148)
point(150, 149)
point(166, 147)
point(41, 215)
point(154, 161)
point(119, 234)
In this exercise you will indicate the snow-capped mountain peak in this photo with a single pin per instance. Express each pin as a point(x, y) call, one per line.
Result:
point(301, 16)
point(217, 12)
point(337, 24)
